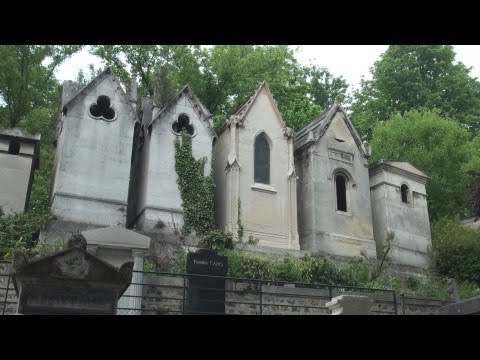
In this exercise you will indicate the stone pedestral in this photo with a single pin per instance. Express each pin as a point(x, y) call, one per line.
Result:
point(117, 245)
point(70, 282)
point(350, 305)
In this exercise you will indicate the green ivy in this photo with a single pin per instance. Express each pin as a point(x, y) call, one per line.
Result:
point(197, 191)
point(239, 221)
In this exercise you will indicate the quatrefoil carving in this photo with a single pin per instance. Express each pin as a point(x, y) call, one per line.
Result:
point(102, 109)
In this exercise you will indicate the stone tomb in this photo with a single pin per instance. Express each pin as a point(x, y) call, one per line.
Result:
point(70, 282)
point(206, 294)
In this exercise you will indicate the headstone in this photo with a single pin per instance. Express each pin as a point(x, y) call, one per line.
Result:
point(350, 305)
point(206, 291)
point(71, 281)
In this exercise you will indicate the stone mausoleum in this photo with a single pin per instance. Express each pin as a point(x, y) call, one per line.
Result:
point(312, 190)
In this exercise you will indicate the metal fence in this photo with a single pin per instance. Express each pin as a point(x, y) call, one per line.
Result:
point(8, 296)
point(173, 294)
point(167, 293)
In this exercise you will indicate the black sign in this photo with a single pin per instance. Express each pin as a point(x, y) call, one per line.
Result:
point(206, 289)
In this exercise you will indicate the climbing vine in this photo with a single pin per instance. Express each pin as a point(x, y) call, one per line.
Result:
point(196, 191)
point(239, 221)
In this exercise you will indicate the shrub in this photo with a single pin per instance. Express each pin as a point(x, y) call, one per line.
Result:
point(456, 251)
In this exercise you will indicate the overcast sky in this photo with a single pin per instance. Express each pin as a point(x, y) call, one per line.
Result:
point(350, 61)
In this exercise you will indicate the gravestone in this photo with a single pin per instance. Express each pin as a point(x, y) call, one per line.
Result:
point(206, 291)
point(69, 282)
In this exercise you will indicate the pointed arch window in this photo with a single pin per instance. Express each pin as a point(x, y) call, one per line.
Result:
point(262, 159)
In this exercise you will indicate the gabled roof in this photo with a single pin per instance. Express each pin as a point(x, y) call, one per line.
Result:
point(200, 109)
point(98, 79)
point(59, 265)
point(116, 237)
point(316, 128)
point(403, 166)
point(242, 111)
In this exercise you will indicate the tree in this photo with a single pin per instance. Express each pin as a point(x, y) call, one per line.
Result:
point(437, 145)
point(223, 76)
point(416, 77)
point(26, 78)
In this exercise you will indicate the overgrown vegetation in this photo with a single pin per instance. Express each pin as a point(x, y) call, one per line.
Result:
point(197, 191)
point(322, 270)
point(456, 251)
point(20, 231)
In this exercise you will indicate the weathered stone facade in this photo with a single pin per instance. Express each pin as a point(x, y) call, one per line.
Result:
point(327, 149)
point(163, 205)
point(19, 158)
point(308, 191)
point(94, 146)
point(264, 210)
point(399, 207)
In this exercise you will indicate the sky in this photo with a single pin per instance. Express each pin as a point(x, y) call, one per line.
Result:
point(350, 61)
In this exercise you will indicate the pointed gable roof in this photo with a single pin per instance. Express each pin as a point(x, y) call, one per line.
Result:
point(107, 73)
point(239, 115)
point(200, 109)
point(316, 128)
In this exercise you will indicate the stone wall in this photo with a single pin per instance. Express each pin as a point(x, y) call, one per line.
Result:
point(163, 295)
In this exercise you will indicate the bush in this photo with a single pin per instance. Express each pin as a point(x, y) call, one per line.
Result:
point(355, 273)
point(456, 251)
point(217, 240)
point(320, 270)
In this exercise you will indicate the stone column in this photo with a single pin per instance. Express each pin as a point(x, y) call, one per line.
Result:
point(131, 302)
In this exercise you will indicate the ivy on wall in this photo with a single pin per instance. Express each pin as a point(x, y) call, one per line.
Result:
point(196, 191)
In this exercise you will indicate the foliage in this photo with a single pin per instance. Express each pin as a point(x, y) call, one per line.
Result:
point(217, 240)
point(473, 200)
point(239, 220)
point(196, 189)
point(456, 251)
point(180, 261)
point(149, 266)
point(323, 271)
point(20, 231)
point(222, 76)
point(431, 143)
point(416, 77)
point(26, 81)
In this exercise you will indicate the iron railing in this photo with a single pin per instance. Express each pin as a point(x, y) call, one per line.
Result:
point(8, 296)
point(167, 293)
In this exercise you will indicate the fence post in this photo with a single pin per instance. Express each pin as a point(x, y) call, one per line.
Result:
point(395, 302)
point(261, 299)
point(184, 292)
point(6, 295)
point(403, 303)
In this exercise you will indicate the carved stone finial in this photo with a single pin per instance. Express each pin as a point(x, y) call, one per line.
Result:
point(288, 132)
point(77, 240)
